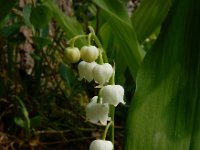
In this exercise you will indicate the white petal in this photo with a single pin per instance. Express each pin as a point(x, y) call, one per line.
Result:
point(109, 70)
point(101, 145)
point(96, 112)
point(113, 94)
point(99, 74)
point(94, 99)
point(102, 73)
point(81, 69)
point(85, 70)
point(88, 70)
point(120, 94)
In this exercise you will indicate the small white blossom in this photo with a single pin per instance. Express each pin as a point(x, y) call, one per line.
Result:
point(113, 94)
point(102, 73)
point(101, 145)
point(97, 112)
point(85, 70)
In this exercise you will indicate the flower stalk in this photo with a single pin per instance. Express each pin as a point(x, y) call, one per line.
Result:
point(72, 41)
point(89, 39)
point(106, 130)
point(112, 115)
point(101, 109)
point(112, 110)
point(102, 54)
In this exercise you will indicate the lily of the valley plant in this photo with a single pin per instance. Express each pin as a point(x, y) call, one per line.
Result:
point(100, 110)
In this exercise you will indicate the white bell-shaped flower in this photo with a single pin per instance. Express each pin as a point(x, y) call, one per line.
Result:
point(85, 70)
point(101, 145)
point(113, 94)
point(97, 112)
point(102, 73)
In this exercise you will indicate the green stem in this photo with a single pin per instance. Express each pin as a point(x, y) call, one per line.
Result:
point(106, 130)
point(103, 56)
point(112, 115)
point(25, 113)
point(72, 41)
point(89, 39)
point(99, 96)
point(100, 59)
point(112, 110)
point(112, 79)
point(102, 52)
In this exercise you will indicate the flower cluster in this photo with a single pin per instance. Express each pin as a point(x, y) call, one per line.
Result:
point(98, 109)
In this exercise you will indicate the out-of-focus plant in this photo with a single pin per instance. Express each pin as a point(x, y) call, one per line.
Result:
point(37, 89)
point(24, 121)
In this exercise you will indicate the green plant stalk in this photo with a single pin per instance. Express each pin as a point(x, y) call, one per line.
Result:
point(102, 56)
point(106, 130)
point(89, 39)
point(72, 41)
point(25, 113)
point(99, 96)
point(102, 53)
point(112, 111)
point(112, 115)
point(100, 59)
point(100, 47)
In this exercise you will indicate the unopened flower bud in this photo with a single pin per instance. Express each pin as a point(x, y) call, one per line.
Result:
point(101, 145)
point(97, 112)
point(102, 73)
point(89, 53)
point(72, 55)
point(113, 94)
point(85, 70)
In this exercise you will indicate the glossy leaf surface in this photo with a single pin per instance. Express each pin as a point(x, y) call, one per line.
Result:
point(164, 114)
point(149, 16)
point(120, 23)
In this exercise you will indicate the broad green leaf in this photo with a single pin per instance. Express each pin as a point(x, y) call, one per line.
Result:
point(35, 121)
point(70, 25)
point(22, 107)
point(20, 122)
point(26, 15)
point(67, 74)
point(104, 34)
point(5, 7)
point(149, 16)
point(8, 31)
point(24, 111)
point(165, 111)
point(112, 49)
point(41, 42)
point(120, 23)
point(40, 16)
